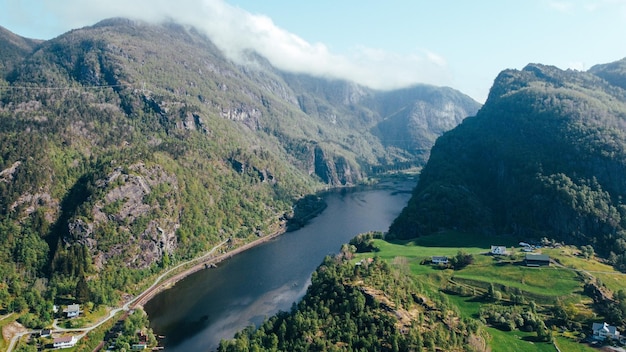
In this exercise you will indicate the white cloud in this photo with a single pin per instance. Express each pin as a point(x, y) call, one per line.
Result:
point(235, 30)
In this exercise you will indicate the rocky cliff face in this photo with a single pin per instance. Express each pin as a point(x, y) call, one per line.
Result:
point(335, 170)
point(139, 204)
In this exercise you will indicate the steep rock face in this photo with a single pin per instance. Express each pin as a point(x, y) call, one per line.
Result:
point(334, 170)
point(541, 158)
point(138, 204)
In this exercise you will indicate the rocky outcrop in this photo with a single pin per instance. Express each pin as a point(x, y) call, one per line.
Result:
point(247, 115)
point(263, 175)
point(335, 169)
point(6, 175)
point(139, 203)
point(421, 115)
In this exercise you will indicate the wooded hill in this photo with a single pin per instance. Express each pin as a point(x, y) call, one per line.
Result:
point(125, 147)
point(544, 157)
point(372, 306)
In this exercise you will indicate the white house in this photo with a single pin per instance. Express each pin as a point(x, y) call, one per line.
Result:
point(602, 331)
point(498, 250)
point(64, 342)
point(72, 311)
point(439, 260)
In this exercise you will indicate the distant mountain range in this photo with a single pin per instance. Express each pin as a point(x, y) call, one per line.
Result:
point(126, 145)
point(544, 157)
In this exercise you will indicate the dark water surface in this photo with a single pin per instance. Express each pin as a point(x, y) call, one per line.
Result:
point(214, 304)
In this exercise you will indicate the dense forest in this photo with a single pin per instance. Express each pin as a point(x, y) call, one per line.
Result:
point(544, 157)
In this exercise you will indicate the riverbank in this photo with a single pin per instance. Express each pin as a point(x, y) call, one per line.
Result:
point(305, 209)
point(214, 304)
point(201, 265)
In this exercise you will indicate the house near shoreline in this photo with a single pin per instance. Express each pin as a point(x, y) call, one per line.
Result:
point(64, 342)
point(603, 331)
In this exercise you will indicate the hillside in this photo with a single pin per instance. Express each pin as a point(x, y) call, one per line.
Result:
point(14, 49)
point(544, 157)
point(126, 147)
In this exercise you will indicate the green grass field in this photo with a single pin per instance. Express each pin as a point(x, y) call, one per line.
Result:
point(568, 345)
point(4, 321)
point(546, 281)
point(613, 279)
point(544, 285)
point(517, 341)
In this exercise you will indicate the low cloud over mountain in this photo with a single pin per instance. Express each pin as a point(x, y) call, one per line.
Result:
point(236, 31)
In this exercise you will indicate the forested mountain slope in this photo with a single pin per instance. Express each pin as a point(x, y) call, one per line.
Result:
point(125, 146)
point(545, 156)
point(14, 49)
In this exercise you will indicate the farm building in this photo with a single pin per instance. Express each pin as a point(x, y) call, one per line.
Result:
point(439, 260)
point(498, 250)
point(536, 260)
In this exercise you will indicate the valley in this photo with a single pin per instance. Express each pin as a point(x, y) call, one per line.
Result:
point(133, 154)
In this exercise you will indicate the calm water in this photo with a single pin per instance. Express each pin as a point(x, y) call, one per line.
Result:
point(214, 304)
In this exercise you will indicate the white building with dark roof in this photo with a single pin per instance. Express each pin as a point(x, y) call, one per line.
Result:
point(602, 331)
point(64, 342)
point(439, 260)
point(72, 311)
point(498, 250)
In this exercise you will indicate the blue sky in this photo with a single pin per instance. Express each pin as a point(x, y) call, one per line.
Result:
point(381, 44)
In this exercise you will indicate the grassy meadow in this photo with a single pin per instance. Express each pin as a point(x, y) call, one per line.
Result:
point(562, 282)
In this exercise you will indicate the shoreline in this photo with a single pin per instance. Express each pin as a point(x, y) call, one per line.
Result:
point(167, 283)
point(202, 264)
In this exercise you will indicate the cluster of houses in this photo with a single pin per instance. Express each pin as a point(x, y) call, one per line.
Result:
point(66, 341)
point(530, 260)
point(601, 331)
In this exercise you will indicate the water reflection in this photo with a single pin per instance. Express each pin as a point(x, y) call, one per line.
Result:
point(213, 304)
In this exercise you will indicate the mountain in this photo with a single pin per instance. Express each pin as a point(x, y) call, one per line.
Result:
point(14, 49)
point(126, 146)
point(544, 157)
